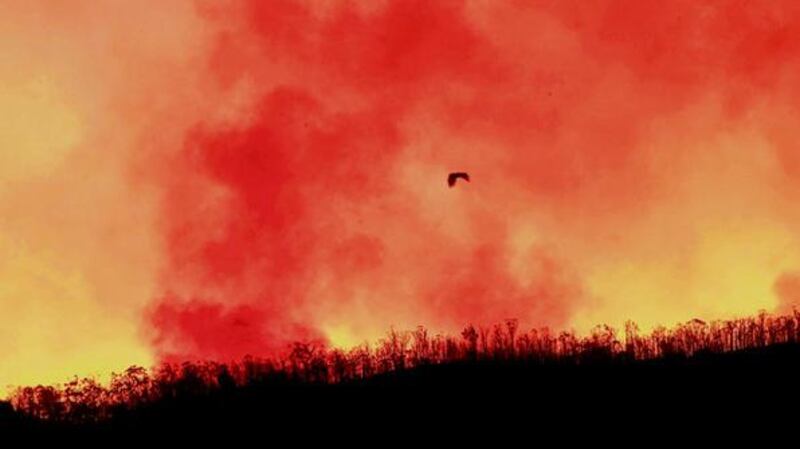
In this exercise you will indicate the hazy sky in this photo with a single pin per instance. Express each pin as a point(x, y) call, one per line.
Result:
point(193, 179)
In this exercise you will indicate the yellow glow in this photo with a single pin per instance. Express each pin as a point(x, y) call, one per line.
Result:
point(739, 268)
point(78, 250)
point(53, 327)
point(730, 273)
point(341, 336)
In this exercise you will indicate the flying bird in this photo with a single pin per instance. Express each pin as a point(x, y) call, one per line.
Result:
point(453, 177)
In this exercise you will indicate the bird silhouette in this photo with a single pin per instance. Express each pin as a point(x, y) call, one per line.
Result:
point(453, 177)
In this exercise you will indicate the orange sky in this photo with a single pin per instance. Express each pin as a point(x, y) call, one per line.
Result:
point(208, 179)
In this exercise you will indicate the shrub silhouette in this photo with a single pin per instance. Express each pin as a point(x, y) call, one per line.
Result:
point(309, 364)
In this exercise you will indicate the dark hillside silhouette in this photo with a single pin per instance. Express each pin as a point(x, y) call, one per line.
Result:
point(696, 361)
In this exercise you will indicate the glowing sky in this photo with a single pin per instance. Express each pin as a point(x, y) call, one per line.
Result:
point(198, 179)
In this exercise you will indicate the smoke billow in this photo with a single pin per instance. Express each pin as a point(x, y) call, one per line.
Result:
point(212, 179)
point(626, 163)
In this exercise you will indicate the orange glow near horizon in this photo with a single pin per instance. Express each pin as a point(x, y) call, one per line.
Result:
point(211, 179)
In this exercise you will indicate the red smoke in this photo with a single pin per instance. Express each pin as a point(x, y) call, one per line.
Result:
point(323, 211)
